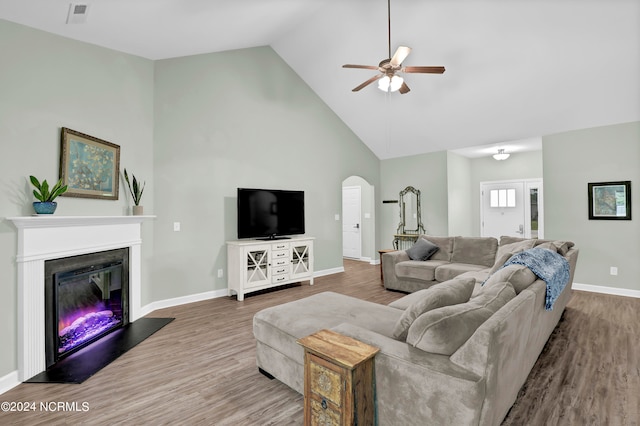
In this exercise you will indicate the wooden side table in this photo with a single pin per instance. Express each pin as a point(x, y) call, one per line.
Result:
point(338, 380)
point(380, 253)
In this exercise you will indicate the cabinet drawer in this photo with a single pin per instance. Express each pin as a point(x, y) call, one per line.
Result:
point(280, 262)
point(322, 415)
point(326, 383)
point(279, 278)
point(279, 270)
point(279, 254)
point(280, 246)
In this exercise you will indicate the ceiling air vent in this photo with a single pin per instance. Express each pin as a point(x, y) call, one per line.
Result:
point(77, 13)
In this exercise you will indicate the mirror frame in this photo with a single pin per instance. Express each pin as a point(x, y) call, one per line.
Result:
point(402, 204)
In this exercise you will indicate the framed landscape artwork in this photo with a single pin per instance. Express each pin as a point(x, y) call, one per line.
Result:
point(610, 200)
point(89, 166)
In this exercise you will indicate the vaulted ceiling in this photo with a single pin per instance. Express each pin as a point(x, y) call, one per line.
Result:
point(515, 70)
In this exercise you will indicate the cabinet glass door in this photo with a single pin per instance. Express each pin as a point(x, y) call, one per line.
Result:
point(300, 260)
point(257, 266)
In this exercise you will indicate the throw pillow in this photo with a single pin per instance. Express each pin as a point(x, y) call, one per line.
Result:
point(444, 330)
point(452, 292)
point(549, 246)
point(519, 276)
point(508, 250)
point(422, 250)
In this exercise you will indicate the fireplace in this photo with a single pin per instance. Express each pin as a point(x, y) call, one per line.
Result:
point(86, 298)
point(45, 238)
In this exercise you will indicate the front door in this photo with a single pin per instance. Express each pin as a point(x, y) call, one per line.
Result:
point(511, 208)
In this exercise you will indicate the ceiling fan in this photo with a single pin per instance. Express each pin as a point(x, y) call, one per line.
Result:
point(389, 80)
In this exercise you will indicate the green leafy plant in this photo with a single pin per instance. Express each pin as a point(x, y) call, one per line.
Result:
point(136, 190)
point(42, 191)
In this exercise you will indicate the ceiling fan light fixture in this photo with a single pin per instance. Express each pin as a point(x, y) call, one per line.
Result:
point(395, 83)
point(390, 84)
point(384, 83)
point(501, 155)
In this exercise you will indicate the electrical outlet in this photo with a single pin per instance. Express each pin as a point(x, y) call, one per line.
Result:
point(176, 226)
point(337, 217)
point(220, 273)
point(613, 270)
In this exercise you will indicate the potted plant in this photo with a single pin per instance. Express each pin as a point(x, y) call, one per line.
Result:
point(46, 195)
point(136, 192)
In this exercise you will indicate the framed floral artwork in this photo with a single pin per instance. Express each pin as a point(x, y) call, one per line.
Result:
point(89, 166)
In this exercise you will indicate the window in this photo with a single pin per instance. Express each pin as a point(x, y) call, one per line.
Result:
point(503, 197)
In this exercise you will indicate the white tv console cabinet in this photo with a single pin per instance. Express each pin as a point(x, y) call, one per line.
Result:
point(259, 264)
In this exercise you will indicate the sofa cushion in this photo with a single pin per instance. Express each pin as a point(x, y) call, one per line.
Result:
point(445, 245)
point(560, 247)
point(418, 269)
point(549, 246)
point(443, 294)
point(480, 275)
point(422, 249)
point(519, 276)
point(279, 326)
point(449, 271)
point(506, 239)
point(505, 251)
point(474, 250)
point(444, 330)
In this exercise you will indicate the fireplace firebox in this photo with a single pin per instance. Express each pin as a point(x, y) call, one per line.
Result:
point(86, 298)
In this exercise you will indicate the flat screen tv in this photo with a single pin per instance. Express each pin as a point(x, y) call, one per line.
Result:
point(270, 213)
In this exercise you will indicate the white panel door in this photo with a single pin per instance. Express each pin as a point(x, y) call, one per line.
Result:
point(351, 237)
point(502, 209)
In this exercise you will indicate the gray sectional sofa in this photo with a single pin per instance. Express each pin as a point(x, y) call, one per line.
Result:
point(455, 353)
point(472, 256)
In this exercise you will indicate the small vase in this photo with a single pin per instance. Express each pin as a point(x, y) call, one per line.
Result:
point(45, 207)
point(138, 210)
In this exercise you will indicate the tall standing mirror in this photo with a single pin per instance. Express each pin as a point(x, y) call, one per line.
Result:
point(410, 226)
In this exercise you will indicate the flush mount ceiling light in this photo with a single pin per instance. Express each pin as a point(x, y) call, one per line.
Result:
point(501, 155)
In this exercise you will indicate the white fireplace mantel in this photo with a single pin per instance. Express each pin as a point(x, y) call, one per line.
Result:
point(42, 238)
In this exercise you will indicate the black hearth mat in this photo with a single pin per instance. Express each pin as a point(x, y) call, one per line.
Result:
point(78, 367)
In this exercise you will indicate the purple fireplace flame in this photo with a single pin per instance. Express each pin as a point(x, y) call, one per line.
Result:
point(85, 328)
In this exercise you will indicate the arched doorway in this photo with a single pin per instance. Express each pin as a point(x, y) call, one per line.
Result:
point(358, 219)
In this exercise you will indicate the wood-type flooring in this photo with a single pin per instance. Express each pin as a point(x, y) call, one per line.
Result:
point(200, 369)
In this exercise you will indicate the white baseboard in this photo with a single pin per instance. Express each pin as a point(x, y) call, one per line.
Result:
point(328, 271)
point(606, 290)
point(183, 300)
point(9, 382)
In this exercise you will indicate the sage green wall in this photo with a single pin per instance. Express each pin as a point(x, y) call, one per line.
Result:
point(241, 118)
point(426, 172)
point(571, 161)
point(367, 224)
point(460, 194)
point(48, 82)
point(520, 165)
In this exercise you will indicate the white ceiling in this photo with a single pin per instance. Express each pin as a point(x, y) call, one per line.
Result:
point(515, 70)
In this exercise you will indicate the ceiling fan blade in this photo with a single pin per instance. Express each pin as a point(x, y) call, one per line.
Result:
point(368, 82)
point(367, 67)
point(401, 54)
point(404, 88)
point(429, 70)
